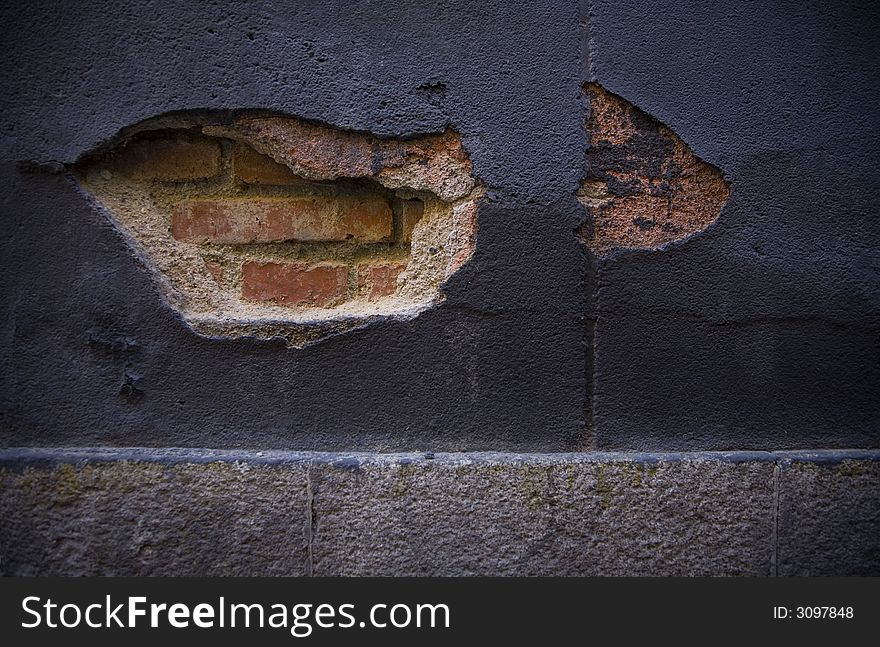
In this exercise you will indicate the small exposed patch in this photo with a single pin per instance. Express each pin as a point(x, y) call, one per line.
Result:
point(644, 186)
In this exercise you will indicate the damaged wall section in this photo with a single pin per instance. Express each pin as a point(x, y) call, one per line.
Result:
point(644, 188)
point(270, 226)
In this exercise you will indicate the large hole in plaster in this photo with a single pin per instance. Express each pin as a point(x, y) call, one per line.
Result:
point(267, 226)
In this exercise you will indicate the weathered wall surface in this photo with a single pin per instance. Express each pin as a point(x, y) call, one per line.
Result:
point(501, 364)
point(676, 250)
point(762, 332)
point(759, 333)
point(160, 512)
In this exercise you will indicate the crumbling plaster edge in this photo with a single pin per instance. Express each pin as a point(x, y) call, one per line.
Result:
point(296, 333)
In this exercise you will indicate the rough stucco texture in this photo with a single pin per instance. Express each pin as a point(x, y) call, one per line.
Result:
point(760, 332)
point(127, 518)
point(399, 515)
point(829, 518)
point(174, 512)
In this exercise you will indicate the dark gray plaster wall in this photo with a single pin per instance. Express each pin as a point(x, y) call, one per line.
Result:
point(760, 333)
point(763, 332)
point(500, 365)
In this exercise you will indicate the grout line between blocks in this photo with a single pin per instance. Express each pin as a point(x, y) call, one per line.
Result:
point(309, 524)
point(774, 529)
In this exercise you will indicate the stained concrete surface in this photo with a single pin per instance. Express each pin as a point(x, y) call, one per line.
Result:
point(186, 512)
point(829, 518)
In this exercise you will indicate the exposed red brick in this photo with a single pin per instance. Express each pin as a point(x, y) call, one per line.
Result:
point(253, 167)
point(215, 269)
point(263, 220)
point(378, 280)
point(288, 213)
point(177, 157)
point(412, 211)
point(645, 186)
point(293, 283)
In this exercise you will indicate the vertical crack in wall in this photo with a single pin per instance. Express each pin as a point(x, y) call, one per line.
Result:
point(588, 44)
point(644, 188)
point(589, 440)
point(774, 528)
point(310, 525)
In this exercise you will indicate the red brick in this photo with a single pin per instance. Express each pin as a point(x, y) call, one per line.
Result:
point(266, 220)
point(294, 283)
point(413, 210)
point(176, 158)
point(378, 280)
point(253, 167)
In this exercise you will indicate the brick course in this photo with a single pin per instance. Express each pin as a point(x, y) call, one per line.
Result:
point(294, 283)
point(176, 159)
point(265, 220)
point(290, 235)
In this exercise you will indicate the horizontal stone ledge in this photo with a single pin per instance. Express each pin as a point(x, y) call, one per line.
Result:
point(180, 511)
point(278, 456)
